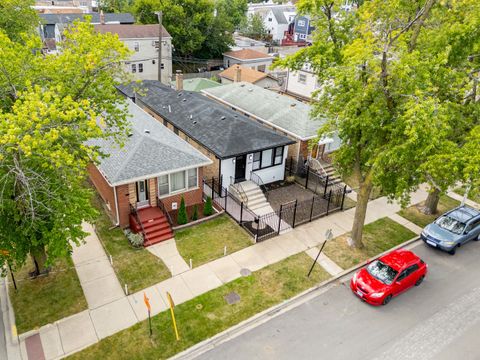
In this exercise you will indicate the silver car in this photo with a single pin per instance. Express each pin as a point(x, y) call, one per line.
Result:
point(453, 229)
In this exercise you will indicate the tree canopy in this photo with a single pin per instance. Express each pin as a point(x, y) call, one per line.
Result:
point(17, 18)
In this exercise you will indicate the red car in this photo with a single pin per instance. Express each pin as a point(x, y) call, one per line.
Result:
point(388, 276)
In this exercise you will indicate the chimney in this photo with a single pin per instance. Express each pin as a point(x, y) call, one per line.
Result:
point(102, 17)
point(179, 80)
point(237, 75)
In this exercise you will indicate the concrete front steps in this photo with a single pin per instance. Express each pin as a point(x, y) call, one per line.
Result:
point(155, 225)
point(253, 197)
point(333, 177)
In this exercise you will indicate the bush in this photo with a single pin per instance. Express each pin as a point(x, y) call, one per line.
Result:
point(182, 217)
point(195, 213)
point(208, 208)
point(135, 239)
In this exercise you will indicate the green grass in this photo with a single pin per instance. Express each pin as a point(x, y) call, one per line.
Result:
point(136, 267)
point(378, 237)
point(205, 242)
point(474, 194)
point(414, 215)
point(46, 299)
point(209, 314)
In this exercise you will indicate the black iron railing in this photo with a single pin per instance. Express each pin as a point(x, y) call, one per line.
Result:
point(258, 180)
point(161, 206)
point(133, 210)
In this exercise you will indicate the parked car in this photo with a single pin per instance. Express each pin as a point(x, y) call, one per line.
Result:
point(388, 276)
point(453, 229)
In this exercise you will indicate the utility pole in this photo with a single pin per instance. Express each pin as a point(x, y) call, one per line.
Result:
point(160, 33)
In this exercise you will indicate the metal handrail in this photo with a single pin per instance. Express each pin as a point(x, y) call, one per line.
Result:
point(239, 189)
point(134, 211)
point(161, 206)
point(258, 180)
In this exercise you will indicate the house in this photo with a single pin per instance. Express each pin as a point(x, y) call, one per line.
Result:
point(302, 83)
point(146, 178)
point(237, 146)
point(280, 112)
point(143, 41)
point(302, 28)
point(196, 84)
point(48, 21)
point(277, 21)
point(237, 73)
point(243, 42)
point(248, 58)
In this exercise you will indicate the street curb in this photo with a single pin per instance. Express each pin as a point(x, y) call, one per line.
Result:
point(11, 336)
point(271, 313)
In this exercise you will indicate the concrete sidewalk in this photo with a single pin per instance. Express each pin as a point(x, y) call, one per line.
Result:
point(112, 312)
point(167, 252)
point(469, 202)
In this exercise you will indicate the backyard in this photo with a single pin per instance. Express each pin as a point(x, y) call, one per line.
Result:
point(206, 241)
point(378, 237)
point(46, 299)
point(209, 314)
point(413, 213)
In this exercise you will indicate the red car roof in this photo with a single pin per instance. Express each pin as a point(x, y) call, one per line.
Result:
point(398, 259)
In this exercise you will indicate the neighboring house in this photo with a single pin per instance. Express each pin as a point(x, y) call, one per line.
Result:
point(302, 83)
point(143, 41)
point(248, 58)
point(148, 175)
point(243, 42)
point(63, 6)
point(237, 73)
point(48, 21)
point(302, 28)
point(196, 84)
point(280, 112)
point(277, 21)
point(236, 145)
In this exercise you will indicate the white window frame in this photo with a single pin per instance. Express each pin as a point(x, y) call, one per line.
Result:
point(136, 46)
point(185, 189)
point(134, 68)
point(302, 78)
point(301, 22)
point(140, 67)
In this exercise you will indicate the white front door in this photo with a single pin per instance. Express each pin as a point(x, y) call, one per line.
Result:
point(142, 193)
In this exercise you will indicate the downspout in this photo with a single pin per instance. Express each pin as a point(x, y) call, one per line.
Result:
point(116, 206)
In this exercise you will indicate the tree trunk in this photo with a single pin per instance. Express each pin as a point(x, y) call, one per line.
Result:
point(431, 203)
point(363, 196)
point(39, 257)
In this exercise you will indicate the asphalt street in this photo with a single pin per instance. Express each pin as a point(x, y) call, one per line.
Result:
point(440, 319)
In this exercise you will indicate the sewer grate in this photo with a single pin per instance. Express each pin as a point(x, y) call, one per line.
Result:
point(245, 272)
point(232, 298)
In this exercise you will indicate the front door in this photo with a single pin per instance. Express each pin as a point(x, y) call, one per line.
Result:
point(240, 167)
point(142, 193)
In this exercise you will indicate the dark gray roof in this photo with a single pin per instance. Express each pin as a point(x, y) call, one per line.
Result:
point(279, 13)
point(122, 18)
point(150, 150)
point(223, 131)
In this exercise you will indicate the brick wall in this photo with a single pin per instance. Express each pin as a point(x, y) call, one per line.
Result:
point(103, 188)
point(191, 197)
point(123, 194)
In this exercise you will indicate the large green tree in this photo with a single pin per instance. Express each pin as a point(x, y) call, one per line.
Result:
point(17, 18)
point(394, 78)
point(50, 106)
point(199, 28)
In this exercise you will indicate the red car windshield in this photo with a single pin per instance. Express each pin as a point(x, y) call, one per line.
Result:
point(382, 272)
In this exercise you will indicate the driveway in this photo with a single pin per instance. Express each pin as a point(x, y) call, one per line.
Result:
point(438, 320)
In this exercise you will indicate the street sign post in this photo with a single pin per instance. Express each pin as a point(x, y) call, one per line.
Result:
point(172, 305)
point(328, 236)
point(146, 300)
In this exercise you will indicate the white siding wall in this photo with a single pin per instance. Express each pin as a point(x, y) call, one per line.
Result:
point(304, 89)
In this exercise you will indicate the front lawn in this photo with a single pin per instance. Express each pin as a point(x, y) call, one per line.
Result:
point(46, 299)
point(413, 213)
point(138, 268)
point(473, 195)
point(206, 241)
point(378, 237)
point(209, 314)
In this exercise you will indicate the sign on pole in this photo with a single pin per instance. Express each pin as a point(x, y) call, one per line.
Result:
point(146, 300)
point(172, 305)
point(328, 236)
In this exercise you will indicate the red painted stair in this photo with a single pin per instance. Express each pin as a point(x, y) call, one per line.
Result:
point(155, 225)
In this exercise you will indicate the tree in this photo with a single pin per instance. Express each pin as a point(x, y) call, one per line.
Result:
point(208, 208)
point(384, 86)
point(50, 107)
point(254, 27)
point(17, 18)
point(182, 217)
point(195, 29)
point(234, 10)
point(195, 213)
point(112, 6)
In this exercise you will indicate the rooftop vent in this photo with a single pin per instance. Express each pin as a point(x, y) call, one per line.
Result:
point(250, 90)
point(191, 116)
point(194, 122)
point(243, 85)
point(293, 105)
point(147, 131)
point(184, 99)
point(222, 118)
point(130, 134)
point(169, 108)
point(179, 94)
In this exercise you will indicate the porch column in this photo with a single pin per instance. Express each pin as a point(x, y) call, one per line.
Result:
point(132, 194)
point(152, 191)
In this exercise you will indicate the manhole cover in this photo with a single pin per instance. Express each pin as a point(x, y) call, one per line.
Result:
point(245, 272)
point(232, 298)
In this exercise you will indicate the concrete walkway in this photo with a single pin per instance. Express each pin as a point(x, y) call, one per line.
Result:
point(167, 251)
point(325, 262)
point(104, 318)
point(469, 202)
point(406, 223)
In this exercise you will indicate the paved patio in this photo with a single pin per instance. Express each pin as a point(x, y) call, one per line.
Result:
point(289, 193)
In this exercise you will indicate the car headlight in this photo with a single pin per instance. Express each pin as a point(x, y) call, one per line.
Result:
point(424, 233)
point(377, 295)
point(448, 243)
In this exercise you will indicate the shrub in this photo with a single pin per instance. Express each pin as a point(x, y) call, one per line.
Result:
point(195, 213)
point(208, 208)
point(182, 217)
point(135, 239)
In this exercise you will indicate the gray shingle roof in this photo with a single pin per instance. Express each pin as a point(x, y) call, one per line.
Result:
point(281, 111)
point(145, 155)
point(223, 131)
point(122, 18)
point(279, 13)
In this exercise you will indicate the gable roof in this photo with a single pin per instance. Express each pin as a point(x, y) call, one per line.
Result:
point(199, 84)
point(150, 150)
point(247, 54)
point(221, 130)
point(247, 74)
point(131, 31)
point(280, 111)
point(52, 19)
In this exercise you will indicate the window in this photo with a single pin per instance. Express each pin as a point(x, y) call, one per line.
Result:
point(177, 181)
point(267, 158)
point(302, 36)
point(302, 78)
point(153, 61)
point(134, 68)
point(301, 22)
point(270, 19)
point(162, 66)
point(256, 160)
point(163, 188)
point(261, 68)
point(140, 68)
point(136, 46)
point(278, 157)
point(412, 269)
point(403, 275)
point(192, 178)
